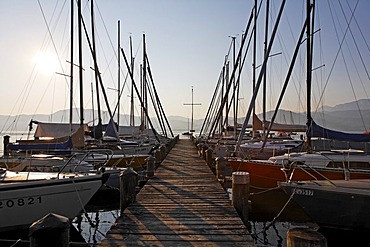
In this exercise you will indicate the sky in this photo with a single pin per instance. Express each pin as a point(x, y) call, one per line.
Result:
point(186, 44)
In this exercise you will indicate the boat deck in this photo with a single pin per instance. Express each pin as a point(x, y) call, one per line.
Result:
point(182, 205)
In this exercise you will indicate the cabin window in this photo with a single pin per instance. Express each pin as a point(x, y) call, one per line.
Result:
point(334, 164)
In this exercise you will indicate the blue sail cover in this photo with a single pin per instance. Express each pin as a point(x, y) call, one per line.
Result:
point(317, 131)
point(49, 147)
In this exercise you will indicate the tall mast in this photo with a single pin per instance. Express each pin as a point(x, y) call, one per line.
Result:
point(265, 75)
point(80, 61)
point(71, 72)
point(227, 68)
point(234, 91)
point(192, 110)
point(254, 58)
point(119, 70)
point(132, 114)
point(98, 129)
point(145, 99)
point(309, 70)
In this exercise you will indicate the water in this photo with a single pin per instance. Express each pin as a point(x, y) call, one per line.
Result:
point(93, 226)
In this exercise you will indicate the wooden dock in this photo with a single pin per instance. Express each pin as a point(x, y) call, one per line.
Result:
point(182, 205)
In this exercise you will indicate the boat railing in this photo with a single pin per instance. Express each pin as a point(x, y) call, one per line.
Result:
point(99, 157)
point(302, 165)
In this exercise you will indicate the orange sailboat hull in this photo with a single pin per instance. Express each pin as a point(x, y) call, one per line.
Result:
point(264, 175)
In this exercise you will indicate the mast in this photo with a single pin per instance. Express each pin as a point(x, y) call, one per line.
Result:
point(132, 114)
point(265, 75)
point(222, 95)
point(144, 93)
point(192, 109)
point(98, 128)
point(227, 108)
point(254, 59)
point(309, 70)
point(235, 94)
point(80, 61)
point(119, 68)
point(71, 73)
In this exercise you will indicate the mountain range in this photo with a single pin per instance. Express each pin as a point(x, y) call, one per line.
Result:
point(342, 117)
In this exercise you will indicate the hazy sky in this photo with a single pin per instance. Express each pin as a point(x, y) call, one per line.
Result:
point(187, 41)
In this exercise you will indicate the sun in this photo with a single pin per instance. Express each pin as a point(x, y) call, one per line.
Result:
point(46, 62)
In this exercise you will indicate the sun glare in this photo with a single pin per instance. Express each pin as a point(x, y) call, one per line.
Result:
point(46, 62)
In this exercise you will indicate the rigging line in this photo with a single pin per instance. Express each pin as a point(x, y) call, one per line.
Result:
point(106, 30)
point(363, 86)
point(78, 196)
point(285, 52)
point(108, 62)
point(339, 49)
point(358, 26)
point(346, 67)
point(353, 91)
point(354, 40)
point(321, 76)
point(50, 34)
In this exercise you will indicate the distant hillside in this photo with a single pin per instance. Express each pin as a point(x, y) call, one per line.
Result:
point(343, 117)
point(362, 104)
point(341, 120)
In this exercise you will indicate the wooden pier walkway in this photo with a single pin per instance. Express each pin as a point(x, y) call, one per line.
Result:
point(182, 205)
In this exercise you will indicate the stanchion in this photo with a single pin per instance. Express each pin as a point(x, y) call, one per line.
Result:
point(150, 166)
point(240, 194)
point(128, 183)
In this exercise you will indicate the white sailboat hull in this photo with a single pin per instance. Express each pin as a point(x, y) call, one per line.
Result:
point(23, 203)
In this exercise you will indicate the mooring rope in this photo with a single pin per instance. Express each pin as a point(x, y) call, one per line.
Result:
point(278, 215)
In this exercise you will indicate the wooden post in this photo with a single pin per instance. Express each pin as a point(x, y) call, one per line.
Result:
point(157, 155)
point(128, 183)
point(209, 157)
point(150, 166)
point(200, 148)
point(240, 194)
point(204, 148)
point(220, 167)
point(305, 237)
point(51, 230)
point(163, 151)
point(6, 142)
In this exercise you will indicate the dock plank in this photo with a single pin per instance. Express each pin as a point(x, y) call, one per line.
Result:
point(182, 205)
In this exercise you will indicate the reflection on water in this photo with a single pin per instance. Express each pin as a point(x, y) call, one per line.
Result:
point(272, 233)
point(93, 226)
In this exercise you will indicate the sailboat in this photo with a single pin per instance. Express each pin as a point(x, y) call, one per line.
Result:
point(308, 165)
point(323, 201)
point(28, 196)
